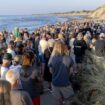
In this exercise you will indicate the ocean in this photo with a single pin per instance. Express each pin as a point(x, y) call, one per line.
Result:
point(31, 22)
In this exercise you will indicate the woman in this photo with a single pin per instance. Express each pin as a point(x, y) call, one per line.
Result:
point(79, 50)
point(47, 75)
point(72, 39)
point(87, 40)
point(5, 88)
point(60, 63)
point(11, 49)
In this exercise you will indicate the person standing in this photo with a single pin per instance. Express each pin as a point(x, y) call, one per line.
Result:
point(59, 64)
point(7, 59)
point(18, 96)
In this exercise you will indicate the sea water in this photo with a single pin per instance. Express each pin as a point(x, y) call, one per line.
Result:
point(24, 21)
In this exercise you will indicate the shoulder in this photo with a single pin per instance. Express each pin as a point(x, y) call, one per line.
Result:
point(3, 68)
point(19, 97)
point(19, 94)
point(68, 60)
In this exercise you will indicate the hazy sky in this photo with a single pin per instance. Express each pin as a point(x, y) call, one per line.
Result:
point(9, 7)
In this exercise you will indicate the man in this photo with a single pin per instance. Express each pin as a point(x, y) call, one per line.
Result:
point(60, 65)
point(100, 48)
point(5, 65)
point(16, 64)
point(18, 96)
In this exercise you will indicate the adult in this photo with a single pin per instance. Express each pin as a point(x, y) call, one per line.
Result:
point(79, 50)
point(16, 64)
point(10, 49)
point(18, 96)
point(60, 63)
point(16, 32)
point(7, 58)
point(71, 44)
point(30, 80)
point(100, 48)
point(43, 44)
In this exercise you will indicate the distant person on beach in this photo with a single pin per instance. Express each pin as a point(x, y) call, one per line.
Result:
point(2, 41)
point(16, 64)
point(16, 32)
point(11, 49)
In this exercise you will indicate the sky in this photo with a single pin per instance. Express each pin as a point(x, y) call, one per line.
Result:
point(25, 7)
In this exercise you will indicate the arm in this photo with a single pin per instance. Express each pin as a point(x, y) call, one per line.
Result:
point(50, 64)
point(26, 99)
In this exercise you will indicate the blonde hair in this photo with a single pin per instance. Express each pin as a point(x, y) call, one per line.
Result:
point(72, 35)
point(60, 49)
point(60, 36)
point(86, 38)
point(1, 35)
point(5, 88)
point(43, 45)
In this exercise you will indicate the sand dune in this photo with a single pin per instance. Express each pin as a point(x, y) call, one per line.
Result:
point(99, 13)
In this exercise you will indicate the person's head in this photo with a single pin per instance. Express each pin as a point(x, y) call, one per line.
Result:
point(7, 58)
point(86, 38)
point(59, 49)
point(26, 60)
point(72, 35)
point(17, 60)
point(11, 45)
point(1, 35)
point(102, 36)
point(5, 88)
point(13, 77)
point(80, 36)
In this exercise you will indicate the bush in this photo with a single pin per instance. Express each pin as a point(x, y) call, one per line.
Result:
point(93, 81)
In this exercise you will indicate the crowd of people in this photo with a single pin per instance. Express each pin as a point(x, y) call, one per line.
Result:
point(52, 53)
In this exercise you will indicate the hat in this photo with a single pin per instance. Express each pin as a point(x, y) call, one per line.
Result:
point(79, 36)
point(7, 56)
